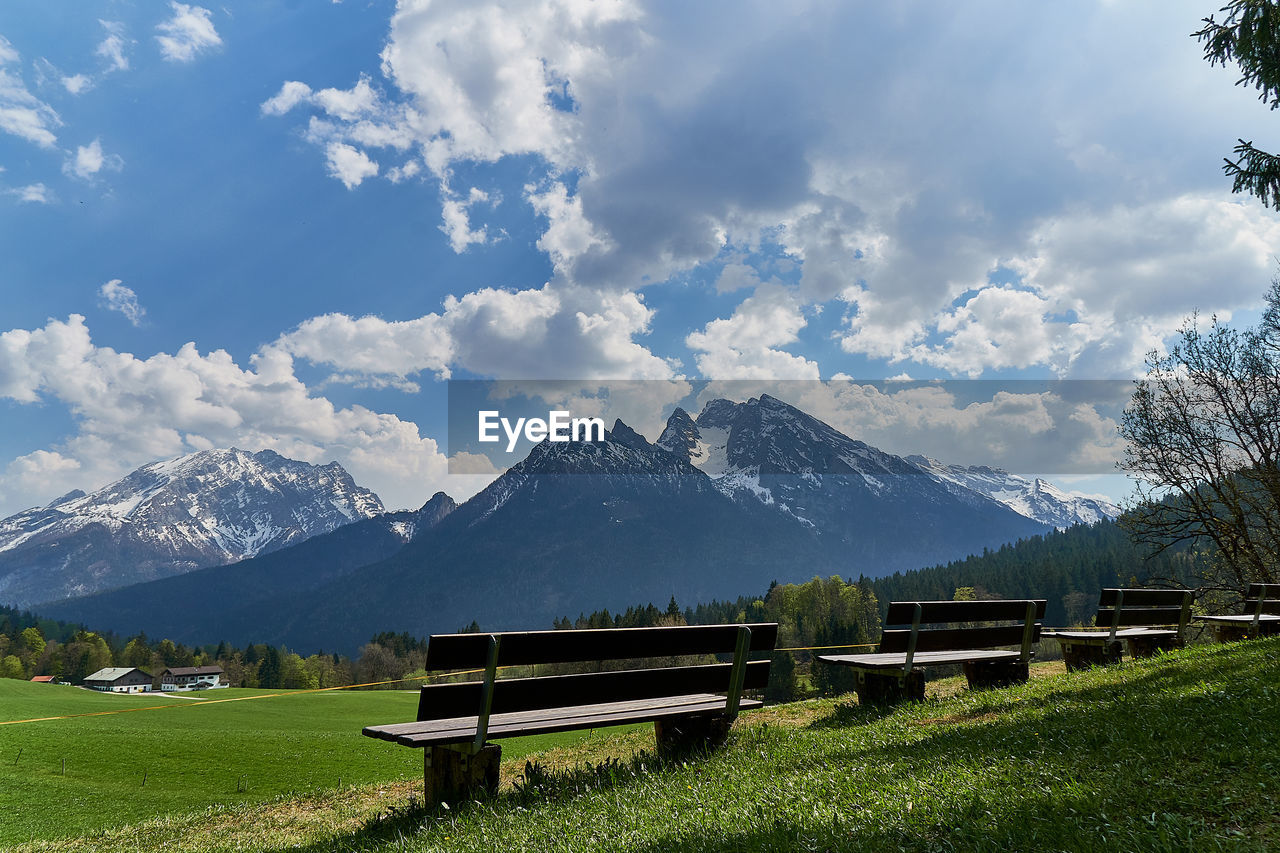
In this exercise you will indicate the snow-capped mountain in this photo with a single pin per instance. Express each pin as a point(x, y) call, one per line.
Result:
point(876, 511)
point(203, 509)
point(1038, 499)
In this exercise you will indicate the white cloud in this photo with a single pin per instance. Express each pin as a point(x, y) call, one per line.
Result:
point(290, 95)
point(903, 189)
point(77, 83)
point(349, 165)
point(187, 34)
point(112, 48)
point(747, 345)
point(457, 221)
point(22, 114)
point(89, 160)
point(116, 296)
point(32, 193)
point(130, 411)
point(545, 333)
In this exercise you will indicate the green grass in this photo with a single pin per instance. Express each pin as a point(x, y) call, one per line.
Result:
point(1180, 752)
point(196, 752)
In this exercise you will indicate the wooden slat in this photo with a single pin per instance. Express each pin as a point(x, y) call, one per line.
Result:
point(902, 612)
point(1101, 636)
point(897, 661)
point(442, 701)
point(1271, 606)
point(1143, 597)
point(1264, 590)
point(1139, 615)
point(1238, 619)
point(393, 730)
point(522, 648)
point(950, 639)
point(460, 730)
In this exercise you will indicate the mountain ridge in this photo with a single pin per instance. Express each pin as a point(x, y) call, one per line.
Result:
point(206, 508)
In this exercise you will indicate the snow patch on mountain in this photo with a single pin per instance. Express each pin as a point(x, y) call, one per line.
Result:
point(1038, 499)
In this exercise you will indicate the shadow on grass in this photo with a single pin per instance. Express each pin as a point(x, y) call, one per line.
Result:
point(852, 714)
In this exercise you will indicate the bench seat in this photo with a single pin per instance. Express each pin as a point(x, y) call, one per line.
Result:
point(1238, 618)
point(1102, 635)
point(898, 660)
point(546, 720)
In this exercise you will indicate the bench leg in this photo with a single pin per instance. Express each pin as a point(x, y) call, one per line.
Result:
point(678, 736)
point(453, 774)
point(986, 674)
point(1078, 656)
point(876, 688)
point(1145, 647)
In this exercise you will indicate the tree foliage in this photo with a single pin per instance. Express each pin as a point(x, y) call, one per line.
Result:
point(1203, 433)
point(1249, 36)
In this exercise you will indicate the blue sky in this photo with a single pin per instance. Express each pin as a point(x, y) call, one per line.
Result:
point(286, 224)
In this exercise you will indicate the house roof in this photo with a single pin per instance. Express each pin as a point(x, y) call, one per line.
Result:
point(193, 670)
point(114, 673)
point(43, 679)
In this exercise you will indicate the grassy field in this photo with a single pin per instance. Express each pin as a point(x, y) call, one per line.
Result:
point(1176, 753)
point(223, 747)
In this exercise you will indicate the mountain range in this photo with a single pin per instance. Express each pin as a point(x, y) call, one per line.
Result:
point(718, 506)
point(207, 508)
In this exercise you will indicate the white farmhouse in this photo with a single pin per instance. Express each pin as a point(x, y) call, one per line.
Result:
point(177, 678)
point(120, 679)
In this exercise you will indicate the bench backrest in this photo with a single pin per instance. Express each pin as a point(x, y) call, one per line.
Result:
point(1134, 608)
point(489, 652)
point(1264, 598)
point(929, 626)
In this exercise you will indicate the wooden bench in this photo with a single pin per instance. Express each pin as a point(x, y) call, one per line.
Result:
point(896, 671)
point(456, 720)
point(1260, 616)
point(1148, 620)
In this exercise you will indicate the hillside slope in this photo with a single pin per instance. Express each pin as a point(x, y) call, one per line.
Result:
point(1175, 753)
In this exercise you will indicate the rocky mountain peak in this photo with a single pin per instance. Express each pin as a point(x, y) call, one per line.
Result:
point(171, 516)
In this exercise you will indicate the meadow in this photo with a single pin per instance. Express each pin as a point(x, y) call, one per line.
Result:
point(133, 757)
point(1180, 752)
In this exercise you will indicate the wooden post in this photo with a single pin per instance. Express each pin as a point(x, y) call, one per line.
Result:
point(738, 672)
point(458, 774)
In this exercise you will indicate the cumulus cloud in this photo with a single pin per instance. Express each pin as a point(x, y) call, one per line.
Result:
point(457, 220)
point(903, 182)
point(186, 35)
point(547, 332)
point(748, 344)
point(130, 411)
point(77, 83)
point(116, 296)
point(22, 114)
point(349, 165)
point(290, 95)
point(32, 194)
point(89, 160)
